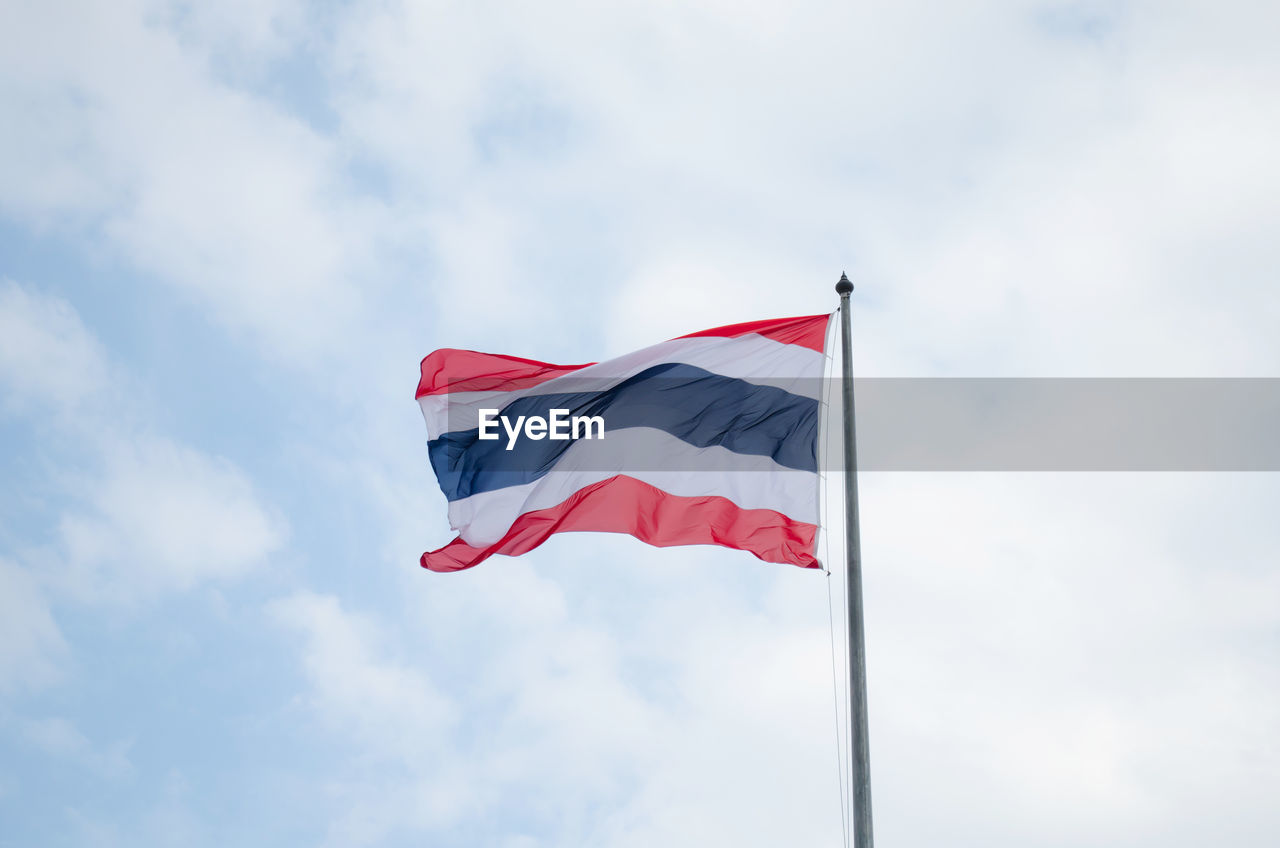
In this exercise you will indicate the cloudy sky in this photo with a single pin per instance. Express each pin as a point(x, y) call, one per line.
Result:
point(229, 232)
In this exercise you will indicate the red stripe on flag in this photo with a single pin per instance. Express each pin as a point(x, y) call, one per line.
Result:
point(450, 370)
point(808, 331)
point(624, 504)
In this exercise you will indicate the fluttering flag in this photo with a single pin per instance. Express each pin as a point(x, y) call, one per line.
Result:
point(710, 438)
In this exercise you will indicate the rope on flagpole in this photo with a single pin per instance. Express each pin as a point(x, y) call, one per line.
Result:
point(835, 698)
point(836, 689)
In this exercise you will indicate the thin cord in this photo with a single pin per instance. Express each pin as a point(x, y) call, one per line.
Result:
point(835, 698)
point(846, 802)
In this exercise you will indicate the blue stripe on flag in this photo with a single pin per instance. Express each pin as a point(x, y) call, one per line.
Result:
point(692, 404)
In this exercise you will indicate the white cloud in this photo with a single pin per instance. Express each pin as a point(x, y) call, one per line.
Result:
point(397, 723)
point(163, 517)
point(1063, 642)
point(383, 703)
point(242, 208)
point(60, 738)
point(245, 28)
point(1030, 189)
point(30, 642)
point(46, 354)
point(746, 754)
point(155, 515)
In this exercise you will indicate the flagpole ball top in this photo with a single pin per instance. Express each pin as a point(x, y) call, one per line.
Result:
point(844, 286)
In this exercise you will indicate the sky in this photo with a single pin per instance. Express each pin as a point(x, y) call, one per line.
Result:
point(229, 232)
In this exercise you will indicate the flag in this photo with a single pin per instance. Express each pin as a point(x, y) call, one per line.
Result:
point(709, 438)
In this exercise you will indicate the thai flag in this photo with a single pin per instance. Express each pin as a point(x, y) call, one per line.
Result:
point(710, 438)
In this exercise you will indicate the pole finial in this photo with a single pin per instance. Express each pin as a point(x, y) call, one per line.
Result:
point(844, 286)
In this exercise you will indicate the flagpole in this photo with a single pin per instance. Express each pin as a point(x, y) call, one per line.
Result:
point(858, 735)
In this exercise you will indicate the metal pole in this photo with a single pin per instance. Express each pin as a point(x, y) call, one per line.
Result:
point(861, 753)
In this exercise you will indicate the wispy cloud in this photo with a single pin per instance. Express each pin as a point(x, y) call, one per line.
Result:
point(245, 210)
point(60, 738)
point(147, 515)
point(30, 643)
